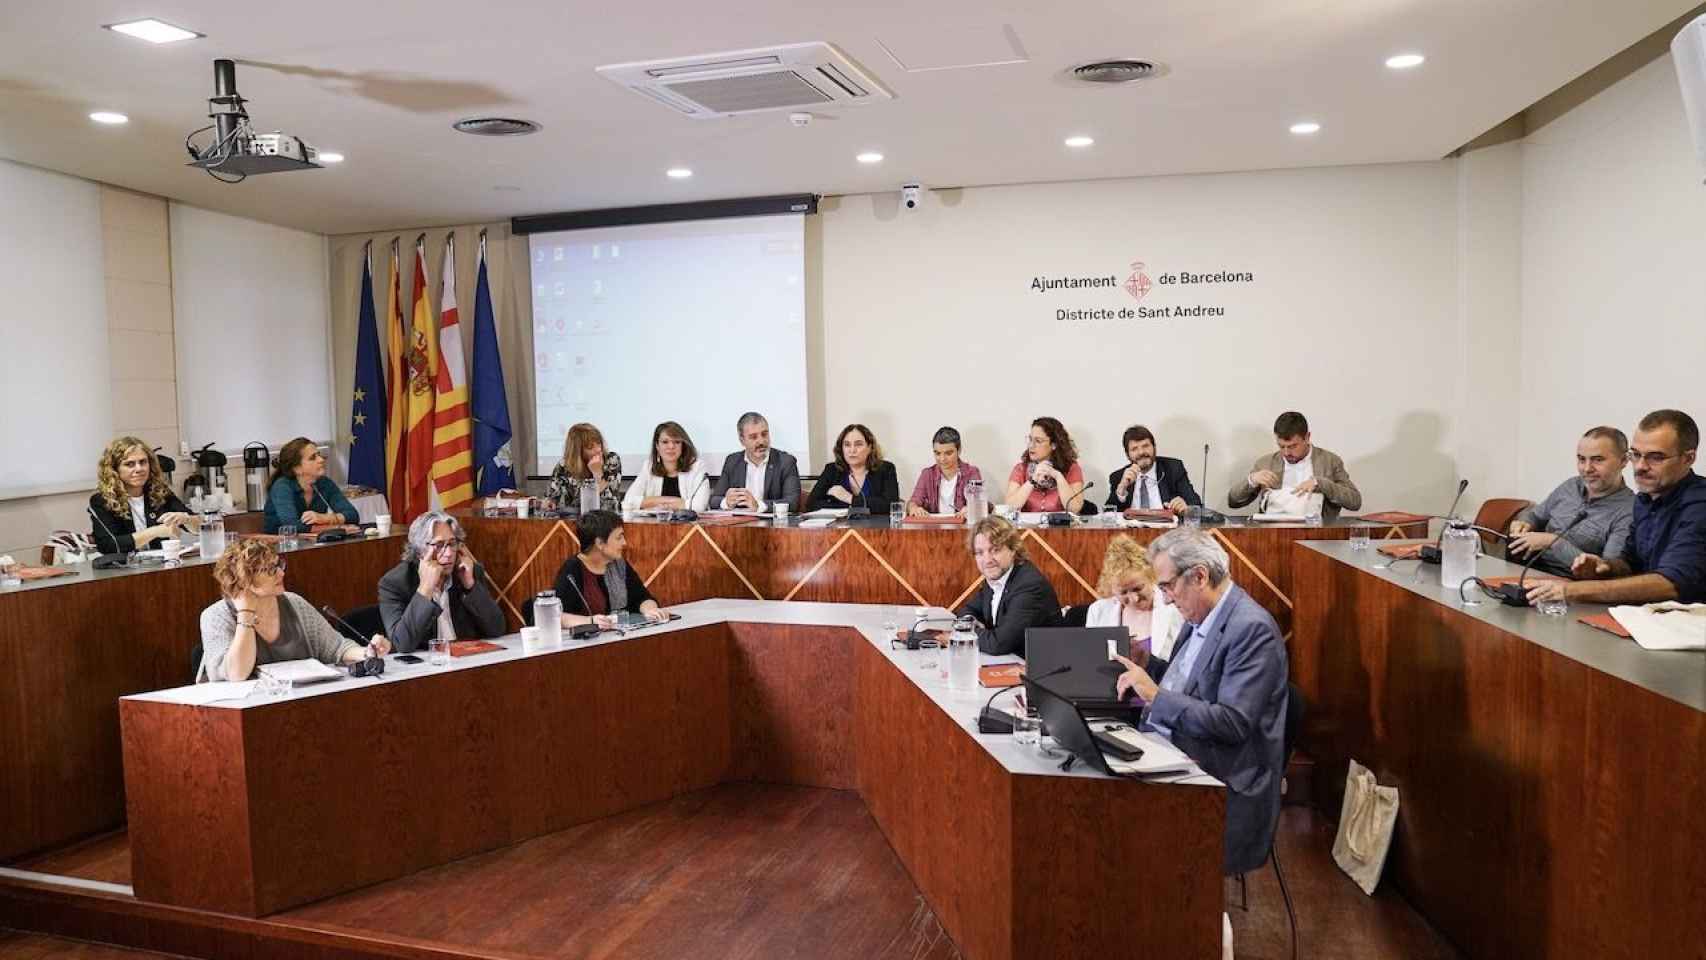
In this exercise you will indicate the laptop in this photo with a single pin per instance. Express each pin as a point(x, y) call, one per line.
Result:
point(1084, 740)
point(1090, 682)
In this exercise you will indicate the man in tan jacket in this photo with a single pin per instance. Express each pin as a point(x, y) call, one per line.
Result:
point(1299, 467)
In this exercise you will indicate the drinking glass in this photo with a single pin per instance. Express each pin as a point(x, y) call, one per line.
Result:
point(897, 514)
point(438, 652)
point(1027, 728)
point(1554, 608)
point(286, 537)
point(1359, 537)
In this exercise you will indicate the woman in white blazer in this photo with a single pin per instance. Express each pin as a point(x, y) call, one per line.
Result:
point(672, 478)
point(1130, 600)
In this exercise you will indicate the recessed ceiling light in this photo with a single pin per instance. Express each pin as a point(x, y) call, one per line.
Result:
point(1079, 141)
point(153, 31)
point(327, 157)
point(678, 173)
point(1305, 128)
point(869, 156)
point(1405, 61)
point(108, 117)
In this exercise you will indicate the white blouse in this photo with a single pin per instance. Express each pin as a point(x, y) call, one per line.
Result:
point(694, 483)
point(1164, 622)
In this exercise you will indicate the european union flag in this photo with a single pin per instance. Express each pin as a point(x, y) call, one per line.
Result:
point(494, 464)
point(367, 411)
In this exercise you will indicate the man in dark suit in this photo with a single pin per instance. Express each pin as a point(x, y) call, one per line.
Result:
point(759, 475)
point(1222, 697)
point(1014, 595)
point(1150, 482)
point(437, 590)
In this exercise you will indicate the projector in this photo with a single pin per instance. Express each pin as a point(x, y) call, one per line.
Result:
point(236, 151)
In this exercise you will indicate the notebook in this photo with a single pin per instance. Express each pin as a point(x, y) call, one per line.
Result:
point(300, 673)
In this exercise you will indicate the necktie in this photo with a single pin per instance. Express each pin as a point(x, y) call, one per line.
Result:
point(1143, 492)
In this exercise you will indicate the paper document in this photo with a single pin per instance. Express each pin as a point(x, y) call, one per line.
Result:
point(1159, 756)
point(1665, 626)
point(202, 694)
point(300, 673)
point(830, 512)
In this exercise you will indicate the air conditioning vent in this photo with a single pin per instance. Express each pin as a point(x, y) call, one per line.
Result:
point(496, 126)
point(1115, 71)
point(793, 77)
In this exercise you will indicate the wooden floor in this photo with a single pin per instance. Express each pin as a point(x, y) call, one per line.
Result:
point(31, 946)
point(757, 871)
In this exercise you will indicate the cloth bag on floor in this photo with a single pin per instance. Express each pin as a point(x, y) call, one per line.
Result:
point(1365, 827)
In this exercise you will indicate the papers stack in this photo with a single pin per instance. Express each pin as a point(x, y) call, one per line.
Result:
point(300, 673)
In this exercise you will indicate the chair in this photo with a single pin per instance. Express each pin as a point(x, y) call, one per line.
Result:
point(1295, 708)
point(366, 620)
point(1497, 514)
point(195, 661)
point(1075, 616)
point(527, 612)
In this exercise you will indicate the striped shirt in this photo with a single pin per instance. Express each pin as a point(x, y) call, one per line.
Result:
point(1603, 531)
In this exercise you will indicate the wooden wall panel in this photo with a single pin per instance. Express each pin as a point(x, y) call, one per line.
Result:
point(792, 710)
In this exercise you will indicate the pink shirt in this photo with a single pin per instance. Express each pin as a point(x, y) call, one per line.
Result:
point(1044, 501)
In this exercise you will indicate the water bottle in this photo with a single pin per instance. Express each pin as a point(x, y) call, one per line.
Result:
point(976, 507)
point(962, 656)
point(1457, 548)
point(548, 616)
point(589, 497)
point(212, 534)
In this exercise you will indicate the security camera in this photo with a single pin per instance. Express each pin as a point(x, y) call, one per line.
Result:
point(910, 195)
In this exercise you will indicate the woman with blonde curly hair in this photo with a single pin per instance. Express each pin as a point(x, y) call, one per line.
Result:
point(1130, 600)
point(132, 505)
point(261, 622)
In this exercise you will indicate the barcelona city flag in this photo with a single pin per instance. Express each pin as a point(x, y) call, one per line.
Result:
point(452, 463)
point(367, 407)
point(494, 466)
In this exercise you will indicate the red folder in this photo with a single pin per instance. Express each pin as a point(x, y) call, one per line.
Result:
point(467, 648)
point(1608, 623)
point(1392, 517)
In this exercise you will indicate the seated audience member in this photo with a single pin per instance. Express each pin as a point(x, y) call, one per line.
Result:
point(1130, 599)
point(596, 584)
point(586, 461)
point(1301, 468)
point(1047, 477)
point(1148, 481)
point(259, 622)
point(134, 508)
point(1014, 595)
point(759, 475)
point(1588, 513)
point(941, 487)
point(300, 493)
point(858, 476)
point(437, 591)
point(673, 478)
point(1221, 698)
point(1665, 555)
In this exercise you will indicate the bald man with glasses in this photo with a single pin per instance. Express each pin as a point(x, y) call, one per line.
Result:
point(1665, 555)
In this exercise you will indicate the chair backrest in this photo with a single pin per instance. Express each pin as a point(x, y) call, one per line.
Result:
point(527, 612)
point(195, 661)
point(1295, 708)
point(366, 620)
point(1075, 616)
point(1497, 514)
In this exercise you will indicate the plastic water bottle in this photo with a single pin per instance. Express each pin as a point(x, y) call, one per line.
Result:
point(976, 507)
point(962, 656)
point(548, 616)
point(588, 497)
point(212, 534)
point(1457, 548)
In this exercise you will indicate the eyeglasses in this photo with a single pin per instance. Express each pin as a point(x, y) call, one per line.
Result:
point(439, 546)
point(1651, 458)
point(1166, 586)
point(277, 568)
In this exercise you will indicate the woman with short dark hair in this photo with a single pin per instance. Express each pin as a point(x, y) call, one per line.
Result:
point(596, 583)
point(941, 487)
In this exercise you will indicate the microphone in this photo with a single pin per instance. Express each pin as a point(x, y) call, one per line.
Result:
point(342, 625)
point(991, 720)
point(108, 561)
point(1430, 552)
point(915, 638)
point(1063, 518)
point(581, 631)
point(1204, 514)
point(1514, 594)
point(687, 514)
point(863, 509)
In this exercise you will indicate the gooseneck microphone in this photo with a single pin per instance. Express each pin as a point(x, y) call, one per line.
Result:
point(1205, 514)
point(342, 625)
point(108, 561)
point(581, 631)
point(1515, 594)
point(1430, 551)
point(991, 720)
point(687, 514)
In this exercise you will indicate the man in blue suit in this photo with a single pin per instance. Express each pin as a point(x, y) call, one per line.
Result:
point(1222, 697)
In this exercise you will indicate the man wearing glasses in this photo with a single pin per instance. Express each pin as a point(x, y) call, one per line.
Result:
point(437, 591)
point(1665, 557)
point(1222, 697)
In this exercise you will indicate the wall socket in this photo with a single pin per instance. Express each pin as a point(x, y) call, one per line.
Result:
point(184, 449)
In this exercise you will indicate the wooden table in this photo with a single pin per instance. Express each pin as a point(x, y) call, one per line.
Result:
point(70, 647)
point(1552, 777)
point(252, 808)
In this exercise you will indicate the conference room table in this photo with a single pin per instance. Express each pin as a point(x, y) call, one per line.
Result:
point(1552, 776)
point(1016, 857)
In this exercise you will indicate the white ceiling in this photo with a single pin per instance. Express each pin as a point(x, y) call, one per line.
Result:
point(382, 81)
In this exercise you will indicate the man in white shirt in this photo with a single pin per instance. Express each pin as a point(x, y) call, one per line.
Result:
point(1301, 468)
point(759, 475)
point(1015, 595)
point(1150, 481)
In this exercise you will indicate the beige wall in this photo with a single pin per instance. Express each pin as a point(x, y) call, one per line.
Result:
point(137, 258)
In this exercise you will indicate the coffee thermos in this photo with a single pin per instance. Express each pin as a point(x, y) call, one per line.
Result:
point(257, 462)
point(212, 465)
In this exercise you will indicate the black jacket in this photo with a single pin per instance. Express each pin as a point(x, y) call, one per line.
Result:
point(568, 584)
point(1028, 601)
point(120, 539)
point(882, 482)
point(1170, 477)
point(411, 619)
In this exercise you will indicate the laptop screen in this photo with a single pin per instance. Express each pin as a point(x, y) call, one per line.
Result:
point(1093, 675)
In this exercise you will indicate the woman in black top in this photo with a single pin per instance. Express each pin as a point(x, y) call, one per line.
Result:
point(596, 584)
point(132, 505)
point(858, 476)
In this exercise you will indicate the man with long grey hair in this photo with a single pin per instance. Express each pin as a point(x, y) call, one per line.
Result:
point(1222, 697)
point(437, 591)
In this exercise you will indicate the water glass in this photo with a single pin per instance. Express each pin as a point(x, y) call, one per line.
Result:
point(897, 514)
point(780, 508)
point(1193, 521)
point(1554, 608)
point(891, 622)
point(438, 651)
point(1027, 728)
point(382, 523)
point(1359, 537)
point(287, 537)
point(523, 508)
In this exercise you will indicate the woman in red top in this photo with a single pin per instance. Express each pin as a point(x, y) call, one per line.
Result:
point(1047, 477)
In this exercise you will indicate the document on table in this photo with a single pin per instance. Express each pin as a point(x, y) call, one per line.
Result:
point(202, 694)
point(830, 512)
point(300, 673)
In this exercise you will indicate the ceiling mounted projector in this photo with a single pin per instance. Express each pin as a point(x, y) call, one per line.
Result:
point(237, 151)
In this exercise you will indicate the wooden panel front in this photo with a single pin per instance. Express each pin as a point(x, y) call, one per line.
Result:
point(1546, 809)
point(68, 652)
point(791, 705)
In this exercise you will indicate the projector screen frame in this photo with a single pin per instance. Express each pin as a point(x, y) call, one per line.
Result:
point(801, 203)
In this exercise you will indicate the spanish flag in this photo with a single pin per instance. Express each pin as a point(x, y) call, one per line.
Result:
point(423, 369)
point(452, 461)
point(396, 394)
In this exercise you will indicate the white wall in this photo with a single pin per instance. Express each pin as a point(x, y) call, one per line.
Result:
point(1613, 270)
point(1353, 317)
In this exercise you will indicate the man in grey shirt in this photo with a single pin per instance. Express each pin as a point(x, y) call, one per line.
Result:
point(1595, 505)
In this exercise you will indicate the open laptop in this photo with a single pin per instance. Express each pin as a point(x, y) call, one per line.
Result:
point(1090, 682)
point(1073, 733)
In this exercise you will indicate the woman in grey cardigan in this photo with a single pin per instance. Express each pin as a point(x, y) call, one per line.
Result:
point(260, 622)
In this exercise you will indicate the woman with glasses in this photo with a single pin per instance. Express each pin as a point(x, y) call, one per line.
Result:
point(437, 591)
point(1047, 478)
point(1131, 600)
point(259, 622)
point(301, 493)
